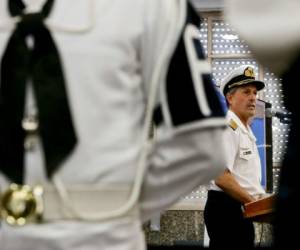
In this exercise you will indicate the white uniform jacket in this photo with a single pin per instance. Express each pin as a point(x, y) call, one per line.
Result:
point(242, 156)
point(113, 51)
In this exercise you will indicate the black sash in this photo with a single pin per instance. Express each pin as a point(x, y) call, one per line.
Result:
point(40, 65)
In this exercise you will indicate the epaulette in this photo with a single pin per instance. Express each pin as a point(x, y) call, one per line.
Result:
point(233, 124)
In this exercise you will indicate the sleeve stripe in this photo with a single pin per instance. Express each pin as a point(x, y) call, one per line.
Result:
point(190, 94)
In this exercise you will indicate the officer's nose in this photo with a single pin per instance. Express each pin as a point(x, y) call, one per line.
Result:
point(253, 96)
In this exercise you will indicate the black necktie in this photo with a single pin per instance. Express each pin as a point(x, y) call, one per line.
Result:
point(40, 65)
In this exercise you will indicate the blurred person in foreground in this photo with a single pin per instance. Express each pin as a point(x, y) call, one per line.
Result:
point(81, 81)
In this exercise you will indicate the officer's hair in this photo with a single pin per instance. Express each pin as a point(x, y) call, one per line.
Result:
point(230, 92)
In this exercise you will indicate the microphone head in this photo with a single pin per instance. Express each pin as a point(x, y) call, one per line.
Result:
point(269, 113)
point(282, 116)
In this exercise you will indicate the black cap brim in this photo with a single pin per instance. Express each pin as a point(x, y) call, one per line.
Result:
point(259, 85)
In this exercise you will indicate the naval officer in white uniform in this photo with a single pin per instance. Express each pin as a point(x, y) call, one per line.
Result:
point(275, 43)
point(240, 182)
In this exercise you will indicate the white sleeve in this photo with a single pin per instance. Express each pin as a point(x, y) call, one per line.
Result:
point(231, 144)
point(271, 28)
point(188, 152)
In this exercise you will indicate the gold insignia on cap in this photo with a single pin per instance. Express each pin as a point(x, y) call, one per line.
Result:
point(233, 124)
point(249, 72)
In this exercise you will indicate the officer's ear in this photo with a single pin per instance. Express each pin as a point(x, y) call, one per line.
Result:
point(228, 99)
point(229, 96)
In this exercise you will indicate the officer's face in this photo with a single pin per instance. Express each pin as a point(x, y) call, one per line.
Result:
point(243, 101)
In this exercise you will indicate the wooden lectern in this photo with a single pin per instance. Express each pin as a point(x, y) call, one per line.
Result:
point(261, 210)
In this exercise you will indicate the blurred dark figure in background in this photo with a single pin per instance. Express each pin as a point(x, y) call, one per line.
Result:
point(272, 30)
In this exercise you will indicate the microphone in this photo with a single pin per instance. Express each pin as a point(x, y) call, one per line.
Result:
point(284, 117)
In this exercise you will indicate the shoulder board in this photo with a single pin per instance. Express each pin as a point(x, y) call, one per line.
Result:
point(233, 124)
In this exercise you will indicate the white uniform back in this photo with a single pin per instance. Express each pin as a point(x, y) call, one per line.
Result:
point(110, 50)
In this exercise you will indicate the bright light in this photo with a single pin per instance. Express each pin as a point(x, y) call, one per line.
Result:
point(230, 37)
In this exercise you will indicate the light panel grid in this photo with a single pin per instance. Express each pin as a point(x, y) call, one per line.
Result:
point(276, 179)
point(198, 194)
point(226, 41)
point(203, 34)
point(273, 94)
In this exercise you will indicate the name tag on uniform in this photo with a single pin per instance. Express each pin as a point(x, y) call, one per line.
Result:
point(249, 152)
point(246, 154)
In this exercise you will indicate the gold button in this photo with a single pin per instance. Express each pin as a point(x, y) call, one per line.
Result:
point(20, 204)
